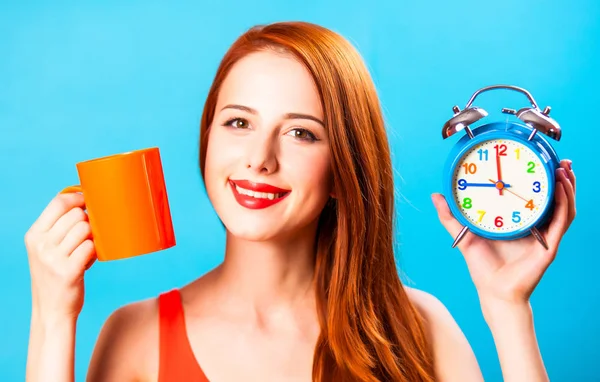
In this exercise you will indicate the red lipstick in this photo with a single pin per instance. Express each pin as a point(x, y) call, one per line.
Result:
point(257, 203)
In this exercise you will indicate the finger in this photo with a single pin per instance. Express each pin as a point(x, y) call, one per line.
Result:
point(563, 176)
point(571, 175)
point(559, 221)
point(453, 226)
point(77, 235)
point(91, 262)
point(83, 256)
point(64, 224)
point(567, 165)
point(55, 209)
point(571, 180)
point(448, 220)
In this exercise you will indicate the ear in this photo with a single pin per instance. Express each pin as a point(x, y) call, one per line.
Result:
point(331, 185)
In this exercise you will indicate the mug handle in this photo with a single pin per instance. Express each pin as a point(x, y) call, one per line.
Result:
point(76, 188)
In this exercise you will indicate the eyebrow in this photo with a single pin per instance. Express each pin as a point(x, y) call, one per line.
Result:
point(286, 116)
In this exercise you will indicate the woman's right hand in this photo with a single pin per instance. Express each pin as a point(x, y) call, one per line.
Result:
point(60, 250)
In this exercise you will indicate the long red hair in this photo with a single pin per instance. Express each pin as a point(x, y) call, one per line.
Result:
point(370, 331)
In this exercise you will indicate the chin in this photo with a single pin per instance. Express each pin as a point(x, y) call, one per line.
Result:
point(253, 232)
point(257, 230)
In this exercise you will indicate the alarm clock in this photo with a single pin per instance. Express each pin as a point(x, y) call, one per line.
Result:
point(499, 177)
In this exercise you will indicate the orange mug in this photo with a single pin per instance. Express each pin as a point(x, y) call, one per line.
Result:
point(127, 204)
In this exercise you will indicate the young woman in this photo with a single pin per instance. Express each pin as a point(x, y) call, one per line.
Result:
point(296, 163)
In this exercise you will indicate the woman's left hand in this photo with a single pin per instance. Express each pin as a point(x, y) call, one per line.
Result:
point(509, 271)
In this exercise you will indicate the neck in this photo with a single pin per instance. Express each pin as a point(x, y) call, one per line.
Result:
point(269, 275)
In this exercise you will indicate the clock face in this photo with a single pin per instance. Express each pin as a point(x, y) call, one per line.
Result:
point(500, 186)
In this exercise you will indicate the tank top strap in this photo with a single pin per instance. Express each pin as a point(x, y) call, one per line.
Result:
point(176, 358)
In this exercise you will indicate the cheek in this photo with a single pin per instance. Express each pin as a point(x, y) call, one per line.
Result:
point(310, 173)
point(219, 156)
point(215, 170)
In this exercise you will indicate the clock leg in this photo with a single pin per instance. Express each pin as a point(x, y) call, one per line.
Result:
point(539, 237)
point(460, 235)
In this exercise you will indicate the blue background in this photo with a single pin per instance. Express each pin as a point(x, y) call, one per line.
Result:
point(78, 81)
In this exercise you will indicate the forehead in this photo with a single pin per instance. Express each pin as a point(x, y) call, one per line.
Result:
point(271, 82)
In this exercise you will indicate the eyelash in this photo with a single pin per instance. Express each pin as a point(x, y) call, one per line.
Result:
point(311, 138)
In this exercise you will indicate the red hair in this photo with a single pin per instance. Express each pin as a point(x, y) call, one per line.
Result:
point(370, 331)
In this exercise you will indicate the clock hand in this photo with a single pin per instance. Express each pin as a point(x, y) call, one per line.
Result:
point(484, 185)
point(512, 192)
point(518, 196)
point(464, 183)
point(479, 185)
point(499, 170)
point(499, 184)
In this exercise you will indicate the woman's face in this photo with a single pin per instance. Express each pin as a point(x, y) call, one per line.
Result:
point(268, 160)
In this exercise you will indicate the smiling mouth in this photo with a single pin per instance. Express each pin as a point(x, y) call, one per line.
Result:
point(259, 195)
point(256, 195)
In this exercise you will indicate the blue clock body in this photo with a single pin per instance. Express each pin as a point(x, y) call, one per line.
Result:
point(506, 130)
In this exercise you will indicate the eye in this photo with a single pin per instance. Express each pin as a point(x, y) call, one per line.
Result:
point(303, 135)
point(237, 123)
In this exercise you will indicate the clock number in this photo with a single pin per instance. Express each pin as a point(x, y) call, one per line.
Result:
point(536, 187)
point(467, 203)
point(518, 151)
point(498, 221)
point(500, 150)
point(462, 184)
point(470, 168)
point(530, 205)
point(481, 153)
point(530, 167)
point(481, 213)
point(516, 216)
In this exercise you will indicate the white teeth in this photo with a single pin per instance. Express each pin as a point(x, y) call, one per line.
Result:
point(258, 195)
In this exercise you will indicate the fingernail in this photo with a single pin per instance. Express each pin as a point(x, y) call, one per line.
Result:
point(570, 163)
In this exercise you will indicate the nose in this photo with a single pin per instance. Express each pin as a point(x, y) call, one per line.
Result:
point(261, 154)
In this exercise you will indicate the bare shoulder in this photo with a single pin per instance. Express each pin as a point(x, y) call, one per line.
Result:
point(432, 309)
point(127, 346)
point(453, 356)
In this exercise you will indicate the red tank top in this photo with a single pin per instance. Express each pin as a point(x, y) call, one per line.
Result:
point(177, 361)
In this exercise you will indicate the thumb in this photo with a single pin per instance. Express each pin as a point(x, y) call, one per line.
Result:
point(445, 216)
